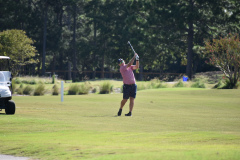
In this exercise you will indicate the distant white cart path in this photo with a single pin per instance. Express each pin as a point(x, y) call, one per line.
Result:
point(8, 157)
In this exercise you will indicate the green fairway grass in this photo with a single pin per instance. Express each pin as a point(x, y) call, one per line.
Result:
point(167, 123)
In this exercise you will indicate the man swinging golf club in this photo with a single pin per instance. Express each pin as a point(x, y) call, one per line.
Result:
point(129, 83)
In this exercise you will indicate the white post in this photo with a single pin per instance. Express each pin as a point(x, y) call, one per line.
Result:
point(62, 91)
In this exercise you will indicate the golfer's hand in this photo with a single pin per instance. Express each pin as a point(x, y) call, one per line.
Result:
point(137, 57)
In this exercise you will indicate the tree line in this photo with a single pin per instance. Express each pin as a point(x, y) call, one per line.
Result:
point(74, 36)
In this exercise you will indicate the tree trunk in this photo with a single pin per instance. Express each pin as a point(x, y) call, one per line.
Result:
point(53, 64)
point(74, 59)
point(95, 48)
point(190, 45)
point(69, 71)
point(102, 67)
point(44, 39)
point(68, 22)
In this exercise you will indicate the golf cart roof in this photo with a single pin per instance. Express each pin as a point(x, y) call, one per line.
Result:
point(4, 57)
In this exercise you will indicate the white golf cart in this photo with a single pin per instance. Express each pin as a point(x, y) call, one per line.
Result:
point(6, 86)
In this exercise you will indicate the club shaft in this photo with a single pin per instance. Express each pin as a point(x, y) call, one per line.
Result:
point(131, 47)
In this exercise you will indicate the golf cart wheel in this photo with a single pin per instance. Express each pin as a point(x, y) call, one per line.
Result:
point(10, 107)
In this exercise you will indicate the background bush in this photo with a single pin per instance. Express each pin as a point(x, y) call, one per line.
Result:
point(20, 89)
point(219, 85)
point(106, 88)
point(156, 83)
point(73, 89)
point(84, 88)
point(14, 87)
point(228, 85)
point(198, 84)
point(40, 90)
point(140, 87)
point(17, 81)
point(180, 83)
point(53, 79)
point(27, 90)
point(55, 90)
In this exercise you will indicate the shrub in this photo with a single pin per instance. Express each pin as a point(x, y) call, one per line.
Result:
point(73, 89)
point(202, 79)
point(141, 87)
point(33, 81)
point(95, 89)
point(179, 84)
point(219, 85)
point(27, 90)
point(13, 87)
point(84, 88)
point(29, 81)
point(17, 81)
point(53, 79)
point(40, 90)
point(121, 89)
point(229, 85)
point(55, 90)
point(156, 83)
point(20, 89)
point(198, 84)
point(106, 88)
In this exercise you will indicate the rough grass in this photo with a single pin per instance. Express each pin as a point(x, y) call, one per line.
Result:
point(95, 86)
point(106, 88)
point(167, 123)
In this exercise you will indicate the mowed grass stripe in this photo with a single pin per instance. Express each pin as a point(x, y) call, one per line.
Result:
point(173, 123)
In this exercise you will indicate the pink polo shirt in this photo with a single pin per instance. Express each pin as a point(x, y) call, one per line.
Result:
point(127, 74)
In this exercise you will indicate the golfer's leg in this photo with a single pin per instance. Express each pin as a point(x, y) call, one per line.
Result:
point(123, 102)
point(131, 104)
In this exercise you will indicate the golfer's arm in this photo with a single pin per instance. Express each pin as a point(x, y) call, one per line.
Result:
point(131, 62)
point(137, 65)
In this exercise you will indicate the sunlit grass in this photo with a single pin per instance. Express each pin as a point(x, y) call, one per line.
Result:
point(167, 123)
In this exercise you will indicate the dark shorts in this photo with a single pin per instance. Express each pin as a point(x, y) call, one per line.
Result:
point(129, 91)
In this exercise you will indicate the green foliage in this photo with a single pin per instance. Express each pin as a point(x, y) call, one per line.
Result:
point(229, 85)
point(55, 90)
point(14, 87)
point(39, 90)
point(156, 83)
point(20, 89)
point(27, 90)
point(198, 84)
point(141, 86)
point(73, 89)
point(33, 80)
point(224, 53)
point(53, 79)
point(15, 44)
point(180, 83)
point(219, 85)
point(155, 28)
point(106, 88)
point(95, 90)
point(17, 80)
point(225, 84)
point(84, 88)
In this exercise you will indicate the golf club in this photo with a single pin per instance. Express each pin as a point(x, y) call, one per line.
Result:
point(131, 47)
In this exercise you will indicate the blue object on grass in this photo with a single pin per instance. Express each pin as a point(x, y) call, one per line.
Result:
point(185, 79)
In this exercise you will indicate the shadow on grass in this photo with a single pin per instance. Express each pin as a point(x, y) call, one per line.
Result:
point(102, 116)
point(4, 114)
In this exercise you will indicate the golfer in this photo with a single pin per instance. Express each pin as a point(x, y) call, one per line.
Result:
point(129, 83)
